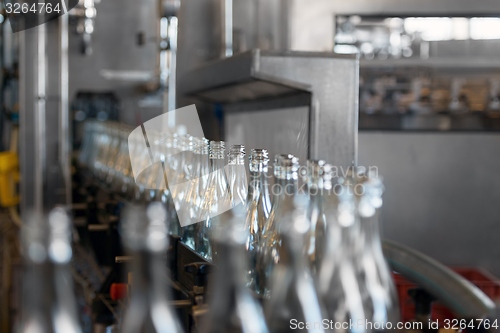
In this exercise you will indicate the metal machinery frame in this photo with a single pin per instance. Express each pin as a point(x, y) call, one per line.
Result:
point(323, 85)
point(45, 150)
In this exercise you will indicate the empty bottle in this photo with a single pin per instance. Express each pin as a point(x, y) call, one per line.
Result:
point(258, 210)
point(378, 290)
point(49, 304)
point(194, 194)
point(340, 285)
point(145, 235)
point(236, 174)
point(217, 198)
point(232, 308)
point(293, 295)
point(285, 188)
point(321, 200)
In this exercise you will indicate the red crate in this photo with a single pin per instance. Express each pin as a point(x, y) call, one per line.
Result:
point(488, 283)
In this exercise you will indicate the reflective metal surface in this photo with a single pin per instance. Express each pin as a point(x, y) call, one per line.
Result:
point(332, 80)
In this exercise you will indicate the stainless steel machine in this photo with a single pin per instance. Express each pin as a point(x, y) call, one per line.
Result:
point(302, 103)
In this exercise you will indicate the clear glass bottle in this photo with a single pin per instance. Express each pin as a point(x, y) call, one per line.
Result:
point(88, 143)
point(49, 304)
point(381, 305)
point(114, 152)
point(145, 235)
point(185, 156)
point(258, 210)
point(111, 151)
point(321, 198)
point(99, 158)
point(123, 180)
point(142, 158)
point(339, 284)
point(170, 159)
point(293, 293)
point(285, 188)
point(199, 186)
point(155, 179)
point(231, 307)
point(237, 175)
point(186, 211)
point(217, 198)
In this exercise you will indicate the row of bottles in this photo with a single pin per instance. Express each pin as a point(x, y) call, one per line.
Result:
point(352, 283)
point(310, 252)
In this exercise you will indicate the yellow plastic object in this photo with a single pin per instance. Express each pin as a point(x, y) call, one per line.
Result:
point(9, 179)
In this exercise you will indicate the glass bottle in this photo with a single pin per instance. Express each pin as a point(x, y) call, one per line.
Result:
point(231, 307)
point(381, 305)
point(156, 178)
point(321, 198)
point(170, 150)
point(49, 304)
point(194, 194)
point(185, 145)
point(123, 180)
point(145, 235)
point(142, 158)
point(339, 284)
point(285, 188)
point(293, 295)
point(113, 154)
point(185, 211)
point(88, 142)
point(99, 158)
point(217, 198)
point(236, 174)
point(258, 210)
point(191, 185)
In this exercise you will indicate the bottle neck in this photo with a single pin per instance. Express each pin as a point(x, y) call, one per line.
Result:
point(149, 276)
point(216, 163)
point(258, 185)
point(287, 189)
point(258, 188)
point(48, 280)
point(237, 159)
point(370, 230)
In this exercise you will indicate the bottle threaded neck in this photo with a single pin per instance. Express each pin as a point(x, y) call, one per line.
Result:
point(258, 160)
point(319, 175)
point(236, 154)
point(368, 189)
point(286, 166)
point(217, 149)
point(202, 147)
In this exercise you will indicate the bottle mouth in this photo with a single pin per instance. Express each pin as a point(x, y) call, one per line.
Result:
point(217, 149)
point(258, 160)
point(259, 155)
point(236, 154)
point(286, 166)
point(363, 189)
point(318, 175)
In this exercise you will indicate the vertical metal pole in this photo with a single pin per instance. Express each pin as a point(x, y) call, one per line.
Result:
point(39, 117)
point(23, 123)
point(64, 130)
point(284, 27)
point(172, 35)
point(227, 28)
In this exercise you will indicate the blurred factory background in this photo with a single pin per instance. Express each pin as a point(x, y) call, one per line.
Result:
point(413, 90)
